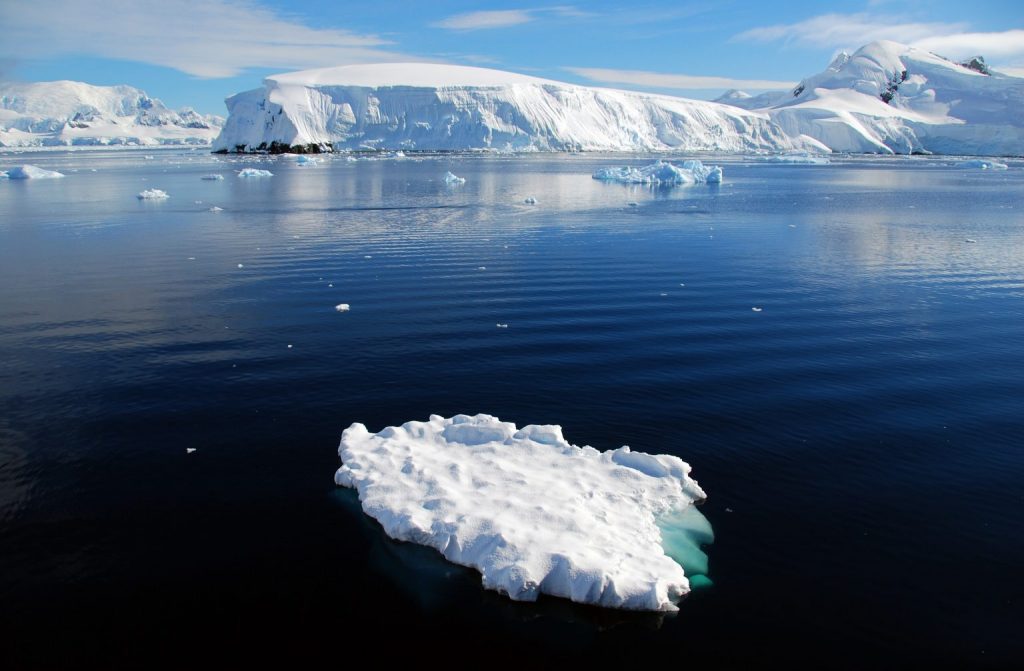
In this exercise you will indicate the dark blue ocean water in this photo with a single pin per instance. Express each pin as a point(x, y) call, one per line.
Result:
point(861, 438)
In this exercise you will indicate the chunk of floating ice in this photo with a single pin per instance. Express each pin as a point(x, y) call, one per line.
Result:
point(189, 450)
point(306, 160)
point(450, 178)
point(983, 165)
point(970, 240)
point(153, 194)
point(756, 309)
point(241, 266)
point(633, 204)
point(482, 268)
point(502, 326)
point(289, 346)
point(368, 256)
point(216, 209)
point(212, 177)
point(662, 172)
point(32, 172)
point(530, 201)
point(533, 513)
point(342, 307)
point(255, 172)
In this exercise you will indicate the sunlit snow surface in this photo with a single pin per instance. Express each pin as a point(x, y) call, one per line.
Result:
point(533, 513)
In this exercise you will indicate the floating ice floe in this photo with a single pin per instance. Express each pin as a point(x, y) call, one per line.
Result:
point(190, 450)
point(757, 309)
point(451, 178)
point(153, 194)
point(306, 160)
point(255, 172)
point(970, 240)
point(530, 201)
point(502, 326)
point(212, 177)
point(31, 172)
point(533, 513)
point(662, 172)
point(983, 164)
point(342, 307)
point(216, 209)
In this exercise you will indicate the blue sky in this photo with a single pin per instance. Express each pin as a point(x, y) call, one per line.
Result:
point(197, 52)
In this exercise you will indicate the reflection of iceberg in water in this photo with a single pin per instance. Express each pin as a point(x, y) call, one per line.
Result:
point(683, 535)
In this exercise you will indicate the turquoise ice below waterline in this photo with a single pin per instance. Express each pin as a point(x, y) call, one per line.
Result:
point(683, 535)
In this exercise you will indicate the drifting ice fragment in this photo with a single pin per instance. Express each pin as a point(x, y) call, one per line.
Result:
point(450, 178)
point(983, 165)
point(255, 172)
point(153, 194)
point(216, 209)
point(970, 240)
point(502, 326)
point(756, 309)
point(189, 450)
point(212, 178)
point(662, 173)
point(32, 172)
point(342, 307)
point(533, 513)
point(530, 201)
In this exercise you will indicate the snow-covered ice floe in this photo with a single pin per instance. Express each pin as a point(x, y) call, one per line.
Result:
point(983, 165)
point(31, 172)
point(533, 513)
point(153, 194)
point(255, 172)
point(452, 178)
point(662, 172)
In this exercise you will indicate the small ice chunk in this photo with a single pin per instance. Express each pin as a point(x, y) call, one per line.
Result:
point(189, 450)
point(530, 201)
point(633, 203)
point(662, 173)
point(756, 309)
point(342, 307)
point(212, 177)
point(255, 172)
point(241, 265)
point(216, 209)
point(306, 160)
point(451, 178)
point(482, 268)
point(32, 172)
point(532, 512)
point(289, 346)
point(970, 240)
point(148, 158)
point(153, 194)
point(981, 164)
point(502, 326)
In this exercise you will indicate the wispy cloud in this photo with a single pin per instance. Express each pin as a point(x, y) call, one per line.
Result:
point(204, 38)
point(504, 18)
point(1003, 46)
point(681, 82)
point(848, 30)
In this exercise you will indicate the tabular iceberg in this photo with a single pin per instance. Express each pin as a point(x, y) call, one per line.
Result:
point(533, 513)
point(447, 107)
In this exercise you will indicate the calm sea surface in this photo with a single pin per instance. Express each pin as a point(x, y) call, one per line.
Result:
point(861, 438)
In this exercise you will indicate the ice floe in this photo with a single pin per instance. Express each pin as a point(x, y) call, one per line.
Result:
point(212, 177)
point(255, 172)
point(153, 194)
point(983, 165)
point(32, 172)
point(533, 513)
point(452, 178)
point(342, 307)
point(662, 172)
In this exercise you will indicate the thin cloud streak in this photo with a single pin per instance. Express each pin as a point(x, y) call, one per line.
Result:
point(848, 30)
point(505, 18)
point(206, 39)
point(673, 81)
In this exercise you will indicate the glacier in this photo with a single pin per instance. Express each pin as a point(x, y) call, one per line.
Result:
point(531, 512)
point(67, 113)
point(402, 106)
point(891, 98)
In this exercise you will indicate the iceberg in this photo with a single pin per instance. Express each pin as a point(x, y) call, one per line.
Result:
point(530, 511)
point(32, 172)
point(153, 194)
point(452, 178)
point(662, 173)
point(255, 172)
point(431, 106)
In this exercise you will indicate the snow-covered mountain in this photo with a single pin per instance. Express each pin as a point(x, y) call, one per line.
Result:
point(73, 113)
point(744, 100)
point(431, 106)
point(892, 98)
